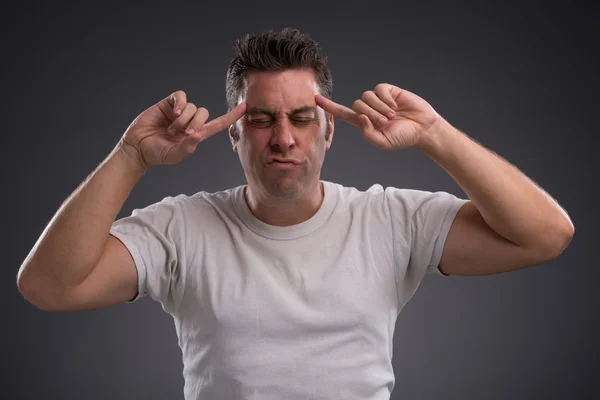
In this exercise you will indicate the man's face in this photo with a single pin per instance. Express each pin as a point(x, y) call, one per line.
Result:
point(282, 141)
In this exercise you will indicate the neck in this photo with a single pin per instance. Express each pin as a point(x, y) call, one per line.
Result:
point(285, 211)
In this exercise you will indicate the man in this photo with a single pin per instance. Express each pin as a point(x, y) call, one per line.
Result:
point(287, 287)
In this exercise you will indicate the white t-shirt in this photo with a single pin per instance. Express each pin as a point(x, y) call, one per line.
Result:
point(300, 312)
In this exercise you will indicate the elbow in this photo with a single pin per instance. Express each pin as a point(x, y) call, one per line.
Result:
point(41, 302)
point(564, 237)
point(24, 284)
point(32, 295)
point(36, 292)
point(556, 243)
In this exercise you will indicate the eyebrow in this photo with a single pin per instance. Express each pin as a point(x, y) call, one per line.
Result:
point(299, 110)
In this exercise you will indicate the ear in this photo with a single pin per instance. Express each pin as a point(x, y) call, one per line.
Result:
point(331, 126)
point(232, 127)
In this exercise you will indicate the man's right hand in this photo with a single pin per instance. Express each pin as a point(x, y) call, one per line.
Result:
point(170, 130)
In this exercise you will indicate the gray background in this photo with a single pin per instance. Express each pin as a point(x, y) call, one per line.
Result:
point(522, 80)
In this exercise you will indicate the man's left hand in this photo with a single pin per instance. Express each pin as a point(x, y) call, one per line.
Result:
point(390, 117)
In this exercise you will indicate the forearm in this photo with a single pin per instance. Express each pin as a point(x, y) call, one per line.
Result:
point(73, 242)
point(510, 203)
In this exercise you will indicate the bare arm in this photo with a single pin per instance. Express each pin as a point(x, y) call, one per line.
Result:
point(510, 222)
point(76, 264)
point(75, 240)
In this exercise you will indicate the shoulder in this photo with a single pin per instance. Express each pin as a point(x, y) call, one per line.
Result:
point(202, 199)
point(398, 203)
point(354, 195)
point(183, 206)
point(384, 194)
point(221, 198)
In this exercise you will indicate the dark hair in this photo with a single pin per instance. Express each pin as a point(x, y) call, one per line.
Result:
point(275, 51)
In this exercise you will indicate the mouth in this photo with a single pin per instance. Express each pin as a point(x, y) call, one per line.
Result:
point(282, 164)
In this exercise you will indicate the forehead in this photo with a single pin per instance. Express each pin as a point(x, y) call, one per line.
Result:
point(281, 91)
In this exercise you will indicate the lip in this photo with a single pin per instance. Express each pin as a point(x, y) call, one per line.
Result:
point(282, 163)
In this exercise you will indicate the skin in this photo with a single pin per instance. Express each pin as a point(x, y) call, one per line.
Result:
point(498, 230)
point(77, 265)
point(282, 122)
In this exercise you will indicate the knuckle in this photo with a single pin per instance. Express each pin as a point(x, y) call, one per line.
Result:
point(177, 96)
point(189, 149)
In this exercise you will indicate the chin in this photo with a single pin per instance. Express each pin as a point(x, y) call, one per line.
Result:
point(284, 187)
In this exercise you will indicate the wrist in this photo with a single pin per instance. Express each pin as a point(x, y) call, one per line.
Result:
point(434, 139)
point(130, 158)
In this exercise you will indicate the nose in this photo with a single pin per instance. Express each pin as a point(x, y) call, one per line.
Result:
point(282, 137)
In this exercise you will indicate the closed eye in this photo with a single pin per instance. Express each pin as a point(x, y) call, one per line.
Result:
point(303, 120)
point(260, 122)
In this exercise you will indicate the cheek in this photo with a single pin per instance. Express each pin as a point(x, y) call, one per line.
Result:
point(251, 143)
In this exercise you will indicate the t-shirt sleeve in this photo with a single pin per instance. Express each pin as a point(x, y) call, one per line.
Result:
point(150, 235)
point(421, 221)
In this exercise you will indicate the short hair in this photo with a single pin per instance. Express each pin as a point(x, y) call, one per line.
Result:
point(276, 51)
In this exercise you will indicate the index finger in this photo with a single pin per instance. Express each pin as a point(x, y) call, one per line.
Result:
point(342, 112)
point(218, 124)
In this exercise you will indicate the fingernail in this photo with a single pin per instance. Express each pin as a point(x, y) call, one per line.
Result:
point(392, 115)
point(189, 131)
point(171, 130)
point(178, 111)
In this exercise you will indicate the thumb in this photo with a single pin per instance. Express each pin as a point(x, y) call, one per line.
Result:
point(188, 145)
point(366, 126)
point(368, 131)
